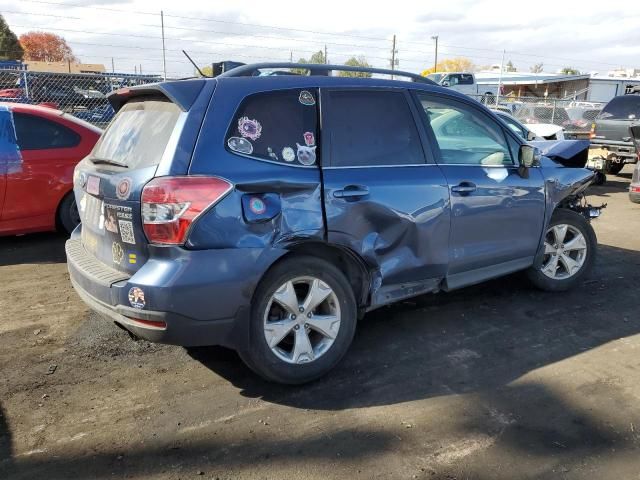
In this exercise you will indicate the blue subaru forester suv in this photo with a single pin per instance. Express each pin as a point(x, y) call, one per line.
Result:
point(269, 213)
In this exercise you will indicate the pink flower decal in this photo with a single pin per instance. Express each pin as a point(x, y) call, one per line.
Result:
point(249, 128)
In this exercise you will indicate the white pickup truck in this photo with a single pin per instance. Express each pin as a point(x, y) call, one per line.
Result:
point(466, 83)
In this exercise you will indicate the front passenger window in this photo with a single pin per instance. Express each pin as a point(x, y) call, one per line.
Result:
point(464, 135)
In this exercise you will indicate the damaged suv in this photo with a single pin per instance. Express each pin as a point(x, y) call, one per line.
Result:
point(269, 213)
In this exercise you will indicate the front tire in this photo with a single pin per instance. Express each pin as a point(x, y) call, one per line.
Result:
point(569, 252)
point(303, 319)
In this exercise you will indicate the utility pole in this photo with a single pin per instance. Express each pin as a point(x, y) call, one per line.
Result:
point(393, 54)
point(290, 56)
point(164, 52)
point(500, 78)
point(435, 61)
point(113, 66)
point(325, 55)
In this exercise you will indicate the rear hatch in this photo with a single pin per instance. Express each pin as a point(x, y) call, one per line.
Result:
point(616, 117)
point(108, 183)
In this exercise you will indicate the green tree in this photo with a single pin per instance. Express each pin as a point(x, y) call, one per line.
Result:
point(509, 67)
point(570, 71)
point(10, 48)
point(317, 57)
point(356, 62)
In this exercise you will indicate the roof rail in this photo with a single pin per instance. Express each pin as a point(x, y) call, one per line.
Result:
point(319, 69)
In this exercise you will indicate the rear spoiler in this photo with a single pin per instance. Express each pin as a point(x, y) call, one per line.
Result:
point(181, 92)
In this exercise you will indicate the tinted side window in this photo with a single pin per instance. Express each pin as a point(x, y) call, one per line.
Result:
point(280, 126)
point(36, 133)
point(622, 108)
point(466, 79)
point(372, 128)
point(465, 136)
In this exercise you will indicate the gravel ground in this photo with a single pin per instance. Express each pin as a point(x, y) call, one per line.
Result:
point(497, 381)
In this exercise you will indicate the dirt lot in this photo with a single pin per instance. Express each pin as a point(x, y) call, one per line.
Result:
point(497, 381)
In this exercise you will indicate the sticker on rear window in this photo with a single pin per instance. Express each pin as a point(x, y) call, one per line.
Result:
point(309, 139)
point(288, 154)
point(306, 98)
point(240, 145)
point(110, 222)
point(249, 128)
point(93, 185)
point(272, 155)
point(306, 155)
point(126, 232)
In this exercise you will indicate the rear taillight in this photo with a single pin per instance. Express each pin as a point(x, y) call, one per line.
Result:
point(171, 204)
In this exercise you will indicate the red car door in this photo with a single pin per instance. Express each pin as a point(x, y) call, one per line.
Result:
point(51, 146)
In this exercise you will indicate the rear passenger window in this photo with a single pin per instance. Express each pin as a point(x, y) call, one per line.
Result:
point(37, 133)
point(372, 128)
point(278, 126)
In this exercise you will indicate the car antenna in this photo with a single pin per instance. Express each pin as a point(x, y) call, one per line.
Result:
point(195, 65)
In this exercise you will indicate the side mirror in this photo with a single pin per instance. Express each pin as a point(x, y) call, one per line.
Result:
point(528, 157)
point(531, 136)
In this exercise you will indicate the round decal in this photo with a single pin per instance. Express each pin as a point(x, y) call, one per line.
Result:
point(117, 252)
point(288, 154)
point(249, 128)
point(136, 297)
point(240, 145)
point(123, 189)
point(257, 205)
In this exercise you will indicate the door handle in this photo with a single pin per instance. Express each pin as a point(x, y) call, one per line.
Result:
point(352, 192)
point(464, 188)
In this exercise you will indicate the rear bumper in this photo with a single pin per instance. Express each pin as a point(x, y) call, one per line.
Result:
point(624, 150)
point(195, 297)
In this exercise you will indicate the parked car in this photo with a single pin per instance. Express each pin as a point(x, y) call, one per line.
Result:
point(634, 188)
point(547, 121)
point(611, 138)
point(234, 211)
point(40, 148)
point(465, 82)
point(573, 153)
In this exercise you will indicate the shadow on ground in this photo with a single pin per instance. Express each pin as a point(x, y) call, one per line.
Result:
point(478, 338)
point(33, 248)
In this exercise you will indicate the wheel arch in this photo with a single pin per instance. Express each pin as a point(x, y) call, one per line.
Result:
point(56, 219)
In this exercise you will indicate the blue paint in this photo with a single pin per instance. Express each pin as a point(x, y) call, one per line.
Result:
point(10, 156)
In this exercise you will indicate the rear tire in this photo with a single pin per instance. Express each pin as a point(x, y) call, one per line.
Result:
point(68, 216)
point(600, 178)
point(303, 319)
point(569, 252)
point(615, 168)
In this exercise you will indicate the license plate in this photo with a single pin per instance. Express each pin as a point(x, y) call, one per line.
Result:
point(93, 185)
point(595, 164)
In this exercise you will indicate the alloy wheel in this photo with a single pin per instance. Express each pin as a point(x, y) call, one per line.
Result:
point(302, 320)
point(565, 251)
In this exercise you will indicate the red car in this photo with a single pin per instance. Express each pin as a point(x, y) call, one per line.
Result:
point(39, 148)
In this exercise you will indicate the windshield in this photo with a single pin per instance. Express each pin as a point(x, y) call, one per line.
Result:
point(138, 134)
point(622, 108)
point(436, 77)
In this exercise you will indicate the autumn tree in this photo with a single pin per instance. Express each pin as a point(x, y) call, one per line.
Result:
point(10, 48)
point(357, 62)
point(458, 64)
point(46, 47)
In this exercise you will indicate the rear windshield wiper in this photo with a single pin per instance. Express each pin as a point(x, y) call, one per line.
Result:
point(107, 161)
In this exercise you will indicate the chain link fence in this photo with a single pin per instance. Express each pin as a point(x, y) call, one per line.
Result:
point(83, 95)
point(574, 116)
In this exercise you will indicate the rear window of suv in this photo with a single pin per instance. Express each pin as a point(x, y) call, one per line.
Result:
point(622, 108)
point(279, 126)
point(139, 133)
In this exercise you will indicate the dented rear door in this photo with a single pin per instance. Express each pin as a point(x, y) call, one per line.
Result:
point(384, 198)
